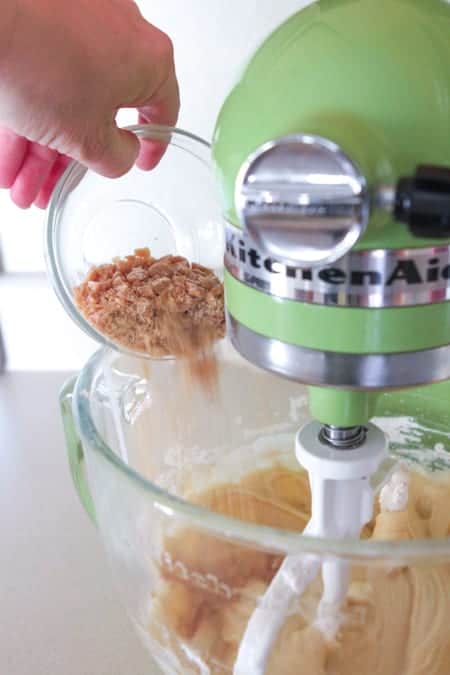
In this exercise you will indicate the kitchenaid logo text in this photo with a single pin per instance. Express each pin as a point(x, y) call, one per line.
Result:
point(367, 278)
point(407, 271)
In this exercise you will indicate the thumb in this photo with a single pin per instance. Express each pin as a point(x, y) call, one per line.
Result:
point(116, 154)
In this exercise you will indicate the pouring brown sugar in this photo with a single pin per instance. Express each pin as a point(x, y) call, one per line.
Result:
point(160, 307)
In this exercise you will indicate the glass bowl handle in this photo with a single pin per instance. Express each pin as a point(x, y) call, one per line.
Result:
point(75, 449)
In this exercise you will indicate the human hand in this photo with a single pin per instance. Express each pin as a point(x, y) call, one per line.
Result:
point(65, 72)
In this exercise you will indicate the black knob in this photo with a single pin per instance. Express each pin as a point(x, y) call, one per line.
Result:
point(423, 202)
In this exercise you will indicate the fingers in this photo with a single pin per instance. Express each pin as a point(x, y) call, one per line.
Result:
point(150, 152)
point(30, 171)
point(162, 108)
point(115, 155)
point(46, 191)
point(24, 167)
point(164, 111)
point(33, 173)
point(164, 105)
point(13, 150)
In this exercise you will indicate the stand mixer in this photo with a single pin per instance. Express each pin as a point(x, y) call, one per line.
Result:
point(333, 155)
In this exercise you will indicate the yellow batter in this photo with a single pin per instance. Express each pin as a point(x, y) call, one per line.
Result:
point(396, 620)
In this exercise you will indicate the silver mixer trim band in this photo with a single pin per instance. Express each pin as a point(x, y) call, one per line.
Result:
point(356, 371)
point(376, 278)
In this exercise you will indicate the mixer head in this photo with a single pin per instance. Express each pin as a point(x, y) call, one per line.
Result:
point(333, 154)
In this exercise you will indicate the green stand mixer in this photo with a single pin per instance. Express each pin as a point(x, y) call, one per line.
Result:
point(333, 156)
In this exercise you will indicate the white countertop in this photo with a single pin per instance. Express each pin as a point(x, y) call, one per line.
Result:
point(59, 611)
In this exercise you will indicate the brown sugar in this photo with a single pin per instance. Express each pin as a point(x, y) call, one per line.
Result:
point(160, 307)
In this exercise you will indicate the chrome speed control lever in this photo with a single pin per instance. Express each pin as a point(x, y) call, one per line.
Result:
point(305, 203)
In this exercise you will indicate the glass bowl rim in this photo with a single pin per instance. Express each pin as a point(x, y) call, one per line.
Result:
point(260, 536)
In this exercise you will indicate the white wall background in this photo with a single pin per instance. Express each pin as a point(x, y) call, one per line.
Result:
point(212, 41)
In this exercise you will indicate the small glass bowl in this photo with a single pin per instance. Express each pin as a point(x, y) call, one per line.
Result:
point(173, 209)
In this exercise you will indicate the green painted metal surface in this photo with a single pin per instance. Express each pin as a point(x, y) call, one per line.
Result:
point(339, 329)
point(341, 408)
point(427, 405)
point(373, 76)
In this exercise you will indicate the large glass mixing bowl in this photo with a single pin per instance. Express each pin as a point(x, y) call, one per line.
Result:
point(190, 575)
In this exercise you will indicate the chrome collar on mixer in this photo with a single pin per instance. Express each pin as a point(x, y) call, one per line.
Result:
point(343, 438)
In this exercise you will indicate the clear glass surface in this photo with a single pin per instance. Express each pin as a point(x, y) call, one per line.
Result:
point(173, 209)
point(152, 445)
